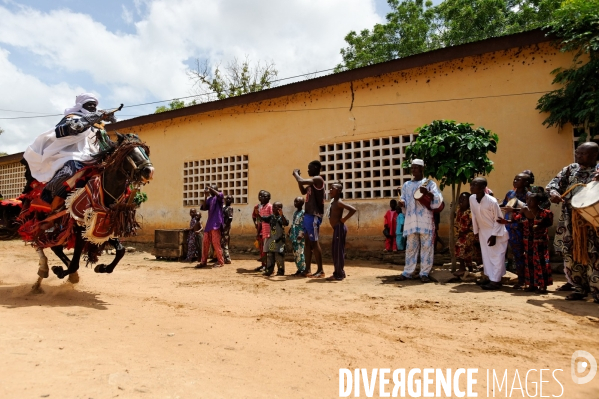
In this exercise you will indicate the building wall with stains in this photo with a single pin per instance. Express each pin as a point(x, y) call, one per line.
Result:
point(497, 90)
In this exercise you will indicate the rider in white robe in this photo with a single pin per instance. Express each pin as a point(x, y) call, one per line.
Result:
point(484, 223)
point(58, 154)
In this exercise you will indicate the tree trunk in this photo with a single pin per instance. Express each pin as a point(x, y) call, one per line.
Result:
point(454, 205)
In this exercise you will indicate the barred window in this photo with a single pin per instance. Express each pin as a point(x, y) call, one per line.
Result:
point(368, 168)
point(12, 179)
point(230, 174)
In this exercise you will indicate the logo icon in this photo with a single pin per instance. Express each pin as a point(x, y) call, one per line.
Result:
point(582, 362)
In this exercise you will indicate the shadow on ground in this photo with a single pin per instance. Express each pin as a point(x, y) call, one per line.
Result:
point(64, 295)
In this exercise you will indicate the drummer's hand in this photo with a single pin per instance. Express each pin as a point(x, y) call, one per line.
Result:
point(555, 197)
point(508, 209)
point(401, 203)
point(491, 241)
point(424, 190)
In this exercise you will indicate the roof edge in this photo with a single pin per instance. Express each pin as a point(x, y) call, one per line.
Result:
point(491, 45)
point(11, 158)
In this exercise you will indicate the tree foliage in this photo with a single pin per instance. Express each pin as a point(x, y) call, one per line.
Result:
point(576, 23)
point(453, 154)
point(416, 26)
point(235, 79)
point(175, 104)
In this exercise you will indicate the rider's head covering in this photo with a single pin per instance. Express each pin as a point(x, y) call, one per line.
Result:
point(79, 101)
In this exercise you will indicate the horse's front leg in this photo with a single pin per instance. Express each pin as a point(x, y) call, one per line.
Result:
point(73, 264)
point(43, 271)
point(120, 252)
point(59, 252)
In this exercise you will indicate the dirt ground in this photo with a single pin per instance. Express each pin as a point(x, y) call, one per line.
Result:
point(156, 329)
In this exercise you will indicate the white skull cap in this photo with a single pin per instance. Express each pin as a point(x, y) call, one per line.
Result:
point(419, 162)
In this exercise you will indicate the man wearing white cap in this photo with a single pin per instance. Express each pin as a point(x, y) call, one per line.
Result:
point(419, 225)
point(55, 156)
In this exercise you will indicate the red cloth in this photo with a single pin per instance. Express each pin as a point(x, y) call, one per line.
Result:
point(266, 210)
point(391, 224)
point(212, 236)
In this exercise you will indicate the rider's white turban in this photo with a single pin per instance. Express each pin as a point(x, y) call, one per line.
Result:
point(80, 100)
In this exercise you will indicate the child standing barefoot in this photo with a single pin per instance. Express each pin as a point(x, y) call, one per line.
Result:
point(275, 243)
point(339, 229)
point(464, 244)
point(296, 234)
point(390, 227)
point(225, 238)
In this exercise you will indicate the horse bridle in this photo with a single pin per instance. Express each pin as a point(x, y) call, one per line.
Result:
point(134, 174)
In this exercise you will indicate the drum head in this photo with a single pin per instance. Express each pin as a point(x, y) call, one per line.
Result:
point(515, 203)
point(586, 196)
point(417, 194)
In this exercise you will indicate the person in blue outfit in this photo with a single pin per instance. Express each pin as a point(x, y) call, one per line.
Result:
point(419, 226)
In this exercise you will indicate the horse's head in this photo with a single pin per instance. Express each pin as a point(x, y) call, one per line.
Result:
point(136, 162)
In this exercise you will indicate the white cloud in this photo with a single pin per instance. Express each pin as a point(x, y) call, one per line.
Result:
point(300, 36)
point(126, 15)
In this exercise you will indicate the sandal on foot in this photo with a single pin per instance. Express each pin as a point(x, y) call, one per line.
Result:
point(491, 286)
point(318, 275)
point(565, 287)
point(425, 279)
point(517, 286)
point(401, 277)
point(576, 296)
point(259, 269)
point(532, 288)
point(200, 265)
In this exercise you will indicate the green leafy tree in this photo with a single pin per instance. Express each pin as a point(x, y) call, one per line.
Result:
point(235, 79)
point(416, 26)
point(453, 154)
point(175, 104)
point(576, 23)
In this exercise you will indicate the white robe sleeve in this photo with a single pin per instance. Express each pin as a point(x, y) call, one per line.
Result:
point(498, 229)
point(473, 212)
point(437, 195)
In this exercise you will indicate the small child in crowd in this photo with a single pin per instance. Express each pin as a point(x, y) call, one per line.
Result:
point(390, 227)
point(535, 222)
point(265, 210)
point(296, 234)
point(337, 221)
point(195, 229)
point(464, 236)
point(400, 240)
point(275, 243)
point(225, 238)
point(258, 223)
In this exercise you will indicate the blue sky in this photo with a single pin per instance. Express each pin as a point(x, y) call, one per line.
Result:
point(137, 51)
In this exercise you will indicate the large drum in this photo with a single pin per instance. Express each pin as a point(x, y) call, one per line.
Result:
point(586, 203)
point(426, 200)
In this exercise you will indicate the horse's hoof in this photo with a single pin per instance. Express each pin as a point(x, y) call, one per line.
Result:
point(37, 287)
point(60, 273)
point(43, 273)
point(74, 278)
point(100, 269)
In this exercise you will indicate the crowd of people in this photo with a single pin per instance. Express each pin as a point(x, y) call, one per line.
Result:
point(484, 228)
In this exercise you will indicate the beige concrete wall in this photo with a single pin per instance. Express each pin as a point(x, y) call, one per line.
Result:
point(498, 91)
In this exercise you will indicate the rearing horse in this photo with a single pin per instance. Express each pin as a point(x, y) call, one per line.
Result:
point(124, 165)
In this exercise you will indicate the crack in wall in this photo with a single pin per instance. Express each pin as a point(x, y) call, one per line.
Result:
point(351, 106)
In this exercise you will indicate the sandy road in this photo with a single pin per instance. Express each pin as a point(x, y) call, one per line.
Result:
point(165, 330)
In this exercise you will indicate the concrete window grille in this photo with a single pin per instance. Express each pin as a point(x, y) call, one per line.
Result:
point(12, 180)
point(230, 174)
point(368, 168)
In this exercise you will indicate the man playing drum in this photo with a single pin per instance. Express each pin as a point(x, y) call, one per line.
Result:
point(581, 278)
point(419, 226)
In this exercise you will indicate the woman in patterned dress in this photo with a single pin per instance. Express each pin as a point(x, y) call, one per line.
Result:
point(535, 222)
point(465, 238)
